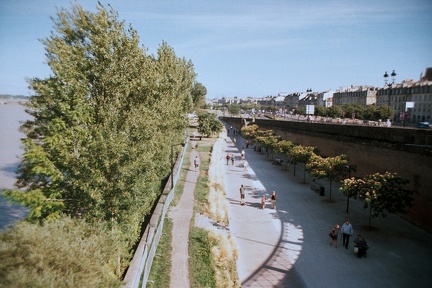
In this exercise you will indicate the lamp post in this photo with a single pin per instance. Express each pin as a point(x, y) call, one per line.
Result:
point(349, 177)
point(393, 77)
point(172, 163)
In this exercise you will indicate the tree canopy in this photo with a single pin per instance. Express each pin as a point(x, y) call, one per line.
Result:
point(381, 193)
point(98, 146)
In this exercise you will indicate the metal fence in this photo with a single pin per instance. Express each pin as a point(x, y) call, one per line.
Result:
point(141, 263)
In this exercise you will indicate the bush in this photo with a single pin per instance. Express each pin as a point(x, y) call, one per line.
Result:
point(61, 253)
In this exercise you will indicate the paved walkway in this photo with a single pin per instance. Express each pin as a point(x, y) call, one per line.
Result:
point(181, 214)
point(289, 246)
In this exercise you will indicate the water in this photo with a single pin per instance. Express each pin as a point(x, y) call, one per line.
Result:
point(11, 116)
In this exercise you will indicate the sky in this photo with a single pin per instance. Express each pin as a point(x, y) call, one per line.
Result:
point(247, 47)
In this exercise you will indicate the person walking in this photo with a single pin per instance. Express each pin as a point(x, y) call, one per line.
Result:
point(334, 235)
point(196, 163)
point(245, 165)
point(346, 231)
point(242, 195)
point(243, 153)
point(360, 246)
point(228, 158)
point(263, 201)
point(273, 198)
point(232, 159)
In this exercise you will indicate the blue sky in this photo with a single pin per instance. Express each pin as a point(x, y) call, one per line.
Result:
point(246, 48)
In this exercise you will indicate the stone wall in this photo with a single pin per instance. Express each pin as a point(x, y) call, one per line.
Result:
point(407, 152)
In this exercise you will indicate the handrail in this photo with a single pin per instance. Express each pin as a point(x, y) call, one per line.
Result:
point(140, 266)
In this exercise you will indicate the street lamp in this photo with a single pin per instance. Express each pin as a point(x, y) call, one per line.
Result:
point(349, 177)
point(172, 163)
point(393, 77)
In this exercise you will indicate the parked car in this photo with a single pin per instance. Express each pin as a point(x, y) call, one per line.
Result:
point(424, 125)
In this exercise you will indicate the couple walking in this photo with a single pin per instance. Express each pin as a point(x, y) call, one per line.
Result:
point(273, 198)
point(346, 231)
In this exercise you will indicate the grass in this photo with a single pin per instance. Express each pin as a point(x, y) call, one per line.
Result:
point(162, 262)
point(160, 272)
point(200, 261)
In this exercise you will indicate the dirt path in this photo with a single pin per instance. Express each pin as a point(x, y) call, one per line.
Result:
point(182, 216)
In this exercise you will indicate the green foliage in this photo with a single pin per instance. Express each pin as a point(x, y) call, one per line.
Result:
point(368, 112)
point(382, 193)
point(61, 253)
point(234, 109)
point(332, 168)
point(249, 132)
point(99, 144)
point(202, 275)
point(209, 124)
point(300, 154)
point(199, 91)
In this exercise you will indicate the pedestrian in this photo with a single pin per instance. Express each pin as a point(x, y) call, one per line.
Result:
point(245, 165)
point(263, 201)
point(228, 158)
point(247, 144)
point(242, 195)
point(334, 235)
point(360, 246)
point(346, 231)
point(273, 198)
point(243, 153)
point(196, 163)
point(232, 159)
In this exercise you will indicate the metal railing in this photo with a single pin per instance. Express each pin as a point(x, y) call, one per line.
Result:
point(140, 266)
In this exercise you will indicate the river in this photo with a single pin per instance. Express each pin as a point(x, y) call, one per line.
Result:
point(11, 115)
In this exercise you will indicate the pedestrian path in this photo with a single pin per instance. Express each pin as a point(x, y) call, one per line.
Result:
point(181, 215)
point(267, 247)
point(289, 246)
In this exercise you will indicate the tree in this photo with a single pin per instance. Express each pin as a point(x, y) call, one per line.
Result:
point(249, 132)
point(199, 91)
point(98, 146)
point(300, 154)
point(208, 124)
point(284, 147)
point(332, 168)
point(234, 109)
point(268, 139)
point(381, 193)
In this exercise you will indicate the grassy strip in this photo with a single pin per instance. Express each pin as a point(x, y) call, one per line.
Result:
point(200, 259)
point(201, 269)
point(162, 264)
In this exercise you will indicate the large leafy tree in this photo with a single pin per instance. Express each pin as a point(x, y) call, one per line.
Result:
point(199, 91)
point(381, 193)
point(209, 124)
point(97, 147)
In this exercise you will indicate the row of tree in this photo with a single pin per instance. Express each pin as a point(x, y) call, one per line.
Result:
point(362, 112)
point(382, 193)
point(98, 146)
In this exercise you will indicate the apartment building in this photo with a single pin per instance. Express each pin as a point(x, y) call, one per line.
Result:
point(360, 95)
point(411, 100)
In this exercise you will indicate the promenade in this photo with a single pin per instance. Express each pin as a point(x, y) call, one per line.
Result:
point(289, 246)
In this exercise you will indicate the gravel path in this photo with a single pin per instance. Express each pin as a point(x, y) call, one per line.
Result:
point(182, 216)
